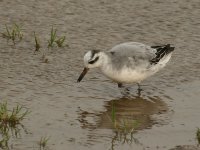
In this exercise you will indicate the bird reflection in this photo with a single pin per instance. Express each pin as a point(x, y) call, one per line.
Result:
point(137, 108)
point(124, 116)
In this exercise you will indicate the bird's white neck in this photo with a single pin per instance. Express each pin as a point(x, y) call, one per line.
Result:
point(105, 59)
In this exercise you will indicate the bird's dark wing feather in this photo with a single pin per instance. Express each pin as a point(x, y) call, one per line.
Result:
point(161, 52)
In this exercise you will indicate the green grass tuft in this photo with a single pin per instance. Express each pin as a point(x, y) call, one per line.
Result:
point(37, 45)
point(124, 128)
point(198, 135)
point(14, 33)
point(43, 142)
point(54, 39)
point(125, 125)
point(11, 118)
point(60, 41)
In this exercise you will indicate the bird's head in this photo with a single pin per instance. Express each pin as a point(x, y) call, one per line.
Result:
point(92, 59)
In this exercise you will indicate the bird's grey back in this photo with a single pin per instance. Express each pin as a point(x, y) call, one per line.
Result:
point(131, 54)
point(133, 49)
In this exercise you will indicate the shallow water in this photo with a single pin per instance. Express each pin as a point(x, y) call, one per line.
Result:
point(78, 115)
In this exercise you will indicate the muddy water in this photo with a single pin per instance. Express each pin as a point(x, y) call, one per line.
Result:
point(77, 116)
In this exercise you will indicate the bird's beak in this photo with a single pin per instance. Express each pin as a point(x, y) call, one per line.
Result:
point(85, 70)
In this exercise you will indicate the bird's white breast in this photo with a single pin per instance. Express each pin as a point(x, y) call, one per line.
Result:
point(125, 75)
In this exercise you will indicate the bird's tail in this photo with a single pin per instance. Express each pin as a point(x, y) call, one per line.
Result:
point(161, 52)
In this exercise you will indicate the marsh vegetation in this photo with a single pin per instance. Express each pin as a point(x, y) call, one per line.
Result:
point(11, 122)
point(43, 143)
point(39, 72)
point(13, 33)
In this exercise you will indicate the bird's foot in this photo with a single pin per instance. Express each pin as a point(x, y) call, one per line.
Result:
point(124, 90)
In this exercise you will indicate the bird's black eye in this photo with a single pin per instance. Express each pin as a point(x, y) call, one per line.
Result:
point(93, 61)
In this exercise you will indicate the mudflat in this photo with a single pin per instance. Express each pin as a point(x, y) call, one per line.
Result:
point(79, 115)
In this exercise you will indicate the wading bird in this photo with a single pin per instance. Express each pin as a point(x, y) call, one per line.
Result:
point(130, 62)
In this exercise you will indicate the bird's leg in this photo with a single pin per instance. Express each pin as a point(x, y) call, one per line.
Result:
point(120, 85)
point(139, 89)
